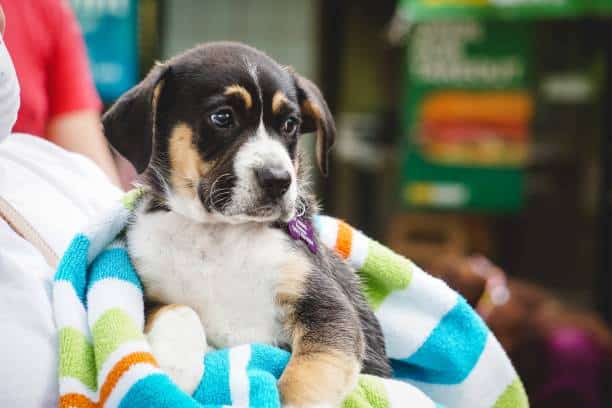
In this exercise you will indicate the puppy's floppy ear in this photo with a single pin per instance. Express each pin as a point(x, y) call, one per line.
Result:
point(316, 117)
point(129, 125)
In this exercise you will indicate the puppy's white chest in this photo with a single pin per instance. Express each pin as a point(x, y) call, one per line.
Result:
point(227, 273)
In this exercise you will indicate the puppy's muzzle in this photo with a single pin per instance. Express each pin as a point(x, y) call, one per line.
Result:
point(273, 181)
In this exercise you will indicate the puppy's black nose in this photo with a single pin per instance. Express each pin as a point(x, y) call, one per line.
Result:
point(274, 182)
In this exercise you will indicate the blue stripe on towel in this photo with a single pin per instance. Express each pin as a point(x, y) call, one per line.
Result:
point(450, 352)
point(73, 266)
point(156, 390)
point(113, 263)
point(269, 358)
point(263, 391)
point(214, 389)
point(264, 369)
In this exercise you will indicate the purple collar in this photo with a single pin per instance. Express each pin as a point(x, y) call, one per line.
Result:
point(301, 229)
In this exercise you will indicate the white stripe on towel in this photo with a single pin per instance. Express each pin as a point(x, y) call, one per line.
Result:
point(421, 305)
point(239, 358)
point(69, 311)
point(112, 293)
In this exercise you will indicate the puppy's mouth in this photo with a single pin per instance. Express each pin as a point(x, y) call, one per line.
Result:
point(232, 199)
point(265, 212)
point(236, 207)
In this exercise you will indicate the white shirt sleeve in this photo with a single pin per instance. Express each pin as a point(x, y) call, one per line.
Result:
point(58, 193)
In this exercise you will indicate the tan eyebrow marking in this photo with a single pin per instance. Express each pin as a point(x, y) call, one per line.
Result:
point(244, 94)
point(312, 109)
point(278, 100)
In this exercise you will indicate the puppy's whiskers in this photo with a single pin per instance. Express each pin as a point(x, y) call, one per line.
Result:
point(215, 196)
point(302, 205)
point(155, 167)
point(219, 197)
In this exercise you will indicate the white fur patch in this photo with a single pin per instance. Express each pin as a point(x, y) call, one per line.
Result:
point(227, 273)
point(190, 208)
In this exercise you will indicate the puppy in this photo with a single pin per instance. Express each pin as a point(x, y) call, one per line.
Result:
point(223, 237)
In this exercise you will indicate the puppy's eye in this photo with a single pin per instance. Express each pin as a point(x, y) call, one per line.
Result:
point(290, 126)
point(222, 118)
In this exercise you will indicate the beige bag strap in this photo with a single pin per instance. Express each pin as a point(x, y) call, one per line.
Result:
point(23, 228)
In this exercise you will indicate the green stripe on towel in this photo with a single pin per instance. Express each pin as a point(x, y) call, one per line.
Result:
point(130, 198)
point(76, 357)
point(114, 328)
point(383, 272)
point(513, 397)
point(370, 392)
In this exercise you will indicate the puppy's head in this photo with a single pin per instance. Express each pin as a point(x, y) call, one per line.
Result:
point(215, 131)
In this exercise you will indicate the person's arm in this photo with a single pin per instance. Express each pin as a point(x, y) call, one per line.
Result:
point(74, 105)
point(80, 132)
point(2, 20)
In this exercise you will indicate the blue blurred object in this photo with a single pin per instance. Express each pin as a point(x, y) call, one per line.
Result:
point(110, 28)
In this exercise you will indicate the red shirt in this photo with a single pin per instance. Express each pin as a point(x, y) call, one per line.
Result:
point(46, 44)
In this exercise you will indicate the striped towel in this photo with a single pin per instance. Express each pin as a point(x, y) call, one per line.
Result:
point(441, 350)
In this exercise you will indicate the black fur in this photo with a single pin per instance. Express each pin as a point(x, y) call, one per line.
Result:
point(334, 306)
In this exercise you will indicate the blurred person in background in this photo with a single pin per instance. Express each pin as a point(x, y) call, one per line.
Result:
point(58, 99)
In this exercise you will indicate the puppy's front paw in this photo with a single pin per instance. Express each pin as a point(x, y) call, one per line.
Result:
point(318, 380)
point(178, 342)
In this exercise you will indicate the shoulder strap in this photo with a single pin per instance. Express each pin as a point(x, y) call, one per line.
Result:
point(23, 228)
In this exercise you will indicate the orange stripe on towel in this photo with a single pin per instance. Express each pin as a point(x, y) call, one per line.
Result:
point(76, 401)
point(120, 368)
point(344, 240)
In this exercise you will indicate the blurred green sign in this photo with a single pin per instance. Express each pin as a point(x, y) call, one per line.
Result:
point(467, 115)
point(427, 10)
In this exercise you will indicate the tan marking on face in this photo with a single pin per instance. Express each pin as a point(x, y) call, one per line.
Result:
point(315, 376)
point(155, 313)
point(187, 166)
point(278, 100)
point(242, 92)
